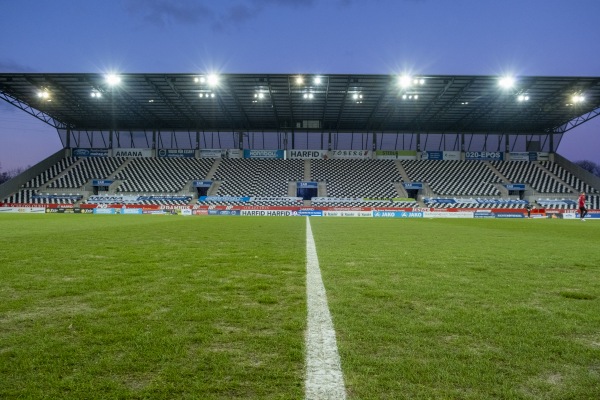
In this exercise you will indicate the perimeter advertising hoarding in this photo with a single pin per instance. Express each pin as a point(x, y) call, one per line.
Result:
point(352, 154)
point(264, 154)
point(397, 214)
point(22, 210)
point(235, 153)
point(79, 152)
point(440, 155)
point(412, 185)
point(396, 154)
point(266, 213)
point(213, 153)
point(529, 156)
point(132, 153)
point(177, 153)
point(484, 155)
point(368, 214)
point(223, 212)
point(307, 154)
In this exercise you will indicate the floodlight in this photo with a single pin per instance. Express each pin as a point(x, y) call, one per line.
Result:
point(96, 94)
point(299, 80)
point(522, 98)
point(212, 80)
point(113, 79)
point(405, 81)
point(404, 97)
point(355, 96)
point(507, 82)
point(212, 95)
point(43, 94)
point(578, 99)
point(416, 97)
point(318, 80)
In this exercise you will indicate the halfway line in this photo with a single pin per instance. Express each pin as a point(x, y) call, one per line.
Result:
point(324, 379)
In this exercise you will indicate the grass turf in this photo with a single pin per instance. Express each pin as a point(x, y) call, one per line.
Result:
point(164, 307)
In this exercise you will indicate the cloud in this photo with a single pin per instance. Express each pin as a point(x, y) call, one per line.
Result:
point(167, 12)
point(13, 66)
point(217, 14)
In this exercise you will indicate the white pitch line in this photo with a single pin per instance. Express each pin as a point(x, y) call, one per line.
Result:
point(324, 379)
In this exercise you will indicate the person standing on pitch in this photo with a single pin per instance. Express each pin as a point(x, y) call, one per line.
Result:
point(582, 209)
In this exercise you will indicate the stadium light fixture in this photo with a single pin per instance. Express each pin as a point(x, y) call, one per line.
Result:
point(405, 81)
point(578, 98)
point(522, 98)
point(43, 94)
point(212, 80)
point(308, 96)
point(113, 79)
point(96, 94)
point(318, 80)
point(299, 80)
point(507, 82)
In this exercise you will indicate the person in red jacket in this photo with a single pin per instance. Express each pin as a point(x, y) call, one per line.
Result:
point(582, 209)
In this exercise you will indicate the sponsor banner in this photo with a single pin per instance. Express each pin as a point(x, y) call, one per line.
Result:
point(235, 153)
point(397, 214)
point(484, 155)
point(72, 197)
point(163, 198)
point(265, 213)
point(223, 212)
point(156, 212)
point(269, 199)
point(79, 152)
point(27, 210)
point(102, 182)
point(308, 213)
point(200, 212)
point(446, 214)
point(354, 154)
point(263, 153)
point(213, 153)
point(396, 154)
point(515, 186)
point(112, 199)
point(177, 153)
point(483, 214)
point(313, 185)
point(520, 156)
point(337, 199)
point(348, 214)
point(452, 155)
point(224, 198)
point(542, 156)
point(202, 183)
point(509, 215)
point(61, 211)
point(412, 185)
point(432, 155)
point(104, 211)
point(186, 212)
point(307, 154)
point(131, 211)
point(136, 153)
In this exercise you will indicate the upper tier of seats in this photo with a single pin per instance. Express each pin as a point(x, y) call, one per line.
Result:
point(357, 178)
point(86, 169)
point(161, 175)
point(457, 178)
point(531, 174)
point(256, 177)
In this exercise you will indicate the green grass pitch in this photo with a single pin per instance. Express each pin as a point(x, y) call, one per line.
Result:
point(169, 307)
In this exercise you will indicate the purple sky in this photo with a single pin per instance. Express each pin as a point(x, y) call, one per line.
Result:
point(467, 37)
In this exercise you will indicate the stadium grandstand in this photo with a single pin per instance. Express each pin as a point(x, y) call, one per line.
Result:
point(304, 143)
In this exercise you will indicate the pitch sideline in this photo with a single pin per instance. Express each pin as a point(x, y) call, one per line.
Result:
point(324, 378)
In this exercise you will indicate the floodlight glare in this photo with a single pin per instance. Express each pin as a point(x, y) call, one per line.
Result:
point(212, 80)
point(355, 96)
point(522, 98)
point(507, 82)
point(405, 81)
point(318, 80)
point(43, 94)
point(212, 95)
point(578, 99)
point(113, 79)
point(299, 80)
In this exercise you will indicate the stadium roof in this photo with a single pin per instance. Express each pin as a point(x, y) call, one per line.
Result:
point(287, 102)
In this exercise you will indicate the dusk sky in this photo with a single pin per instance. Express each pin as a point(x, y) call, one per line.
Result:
point(434, 37)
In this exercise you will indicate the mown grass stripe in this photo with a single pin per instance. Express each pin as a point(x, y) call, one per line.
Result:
point(324, 379)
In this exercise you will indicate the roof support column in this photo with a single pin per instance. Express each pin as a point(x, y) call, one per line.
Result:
point(374, 141)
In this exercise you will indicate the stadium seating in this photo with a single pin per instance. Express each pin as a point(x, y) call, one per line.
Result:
point(530, 173)
point(86, 169)
point(455, 178)
point(568, 177)
point(160, 175)
point(357, 178)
